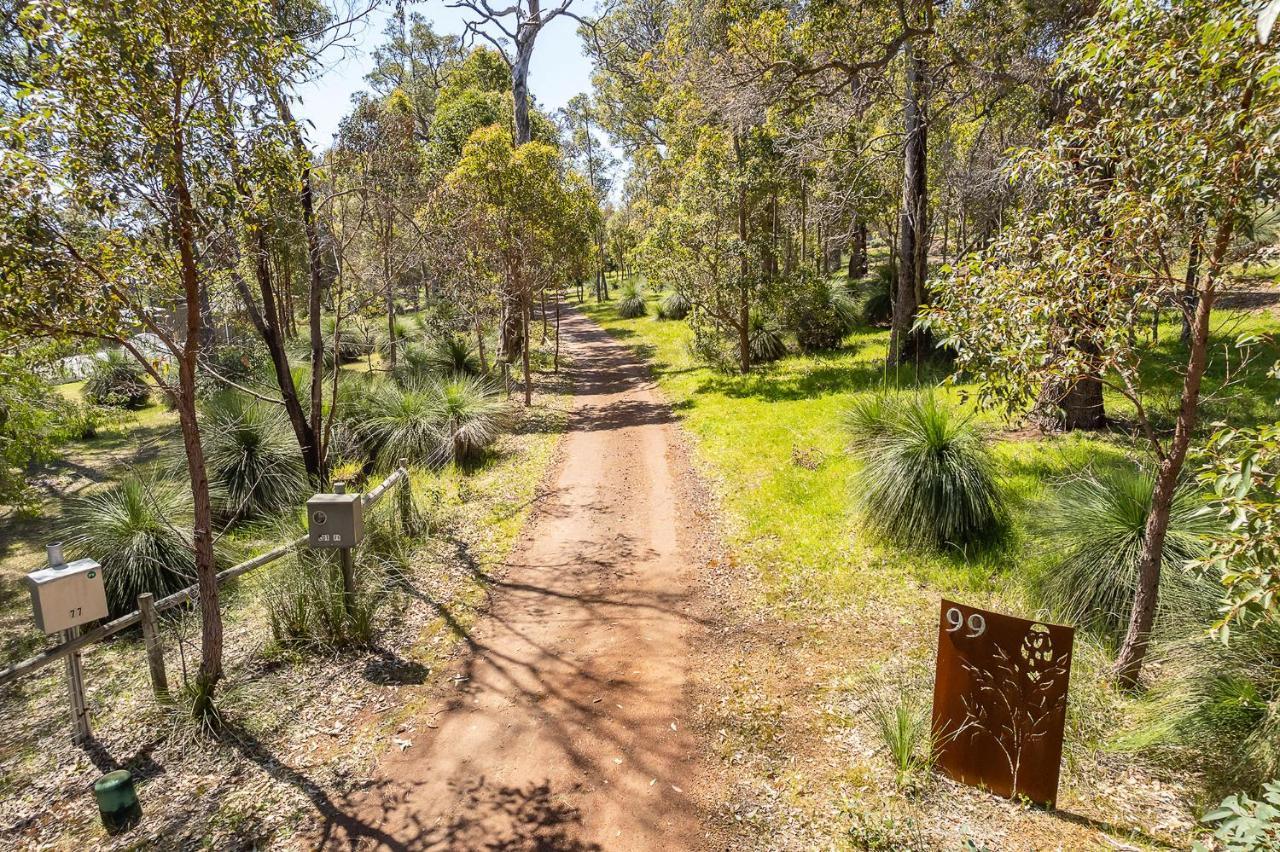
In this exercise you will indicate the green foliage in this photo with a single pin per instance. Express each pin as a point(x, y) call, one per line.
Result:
point(251, 456)
point(1243, 469)
point(446, 355)
point(306, 606)
point(117, 380)
point(135, 531)
point(471, 415)
point(1096, 524)
point(1220, 705)
point(928, 480)
point(631, 302)
point(674, 306)
point(816, 313)
point(1244, 824)
point(875, 296)
point(28, 428)
point(242, 363)
point(453, 418)
point(765, 337)
point(903, 724)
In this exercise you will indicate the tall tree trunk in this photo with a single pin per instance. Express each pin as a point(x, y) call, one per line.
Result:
point(1133, 651)
point(907, 345)
point(202, 528)
point(528, 382)
point(306, 197)
point(858, 251)
point(391, 300)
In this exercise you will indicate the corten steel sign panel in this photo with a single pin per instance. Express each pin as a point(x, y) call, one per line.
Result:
point(1000, 701)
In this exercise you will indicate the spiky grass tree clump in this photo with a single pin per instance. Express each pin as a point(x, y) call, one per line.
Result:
point(631, 303)
point(402, 421)
point(133, 530)
point(1096, 523)
point(118, 381)
point(471, 413)
point(844, 302)
point(928, 480)
point(252, 457)
point(765, 338)
point(452, 355)
point(674, 306)
point(875, 296)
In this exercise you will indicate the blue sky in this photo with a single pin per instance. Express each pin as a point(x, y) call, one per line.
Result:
point(559, 70)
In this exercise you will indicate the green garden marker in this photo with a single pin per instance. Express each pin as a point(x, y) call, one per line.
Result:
point(117, 801)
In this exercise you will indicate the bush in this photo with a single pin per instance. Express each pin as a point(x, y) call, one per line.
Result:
point(765, 338)
point(674, 306)
point(1245, 824)
point(631, 303)
point(1219, 705)
point(118, 381)
point(132, 530)
point(844, 302)
point(433, 422)
point(448, 355)
point(306, 606)
point(875, 297)
point(252, 457)
point(471, 415)
point(928, 480)
point(1095, 523)
point(901, 718)
point(814, 318)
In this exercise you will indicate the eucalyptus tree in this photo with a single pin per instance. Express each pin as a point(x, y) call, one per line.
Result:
point(526, 214)
point(595, 162)
point(1171, 128)
point(115, 175)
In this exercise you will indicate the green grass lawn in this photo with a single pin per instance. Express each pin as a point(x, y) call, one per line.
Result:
point(774, 445)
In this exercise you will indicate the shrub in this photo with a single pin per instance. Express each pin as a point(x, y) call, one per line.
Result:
point(631, 303)
point(927, 479)
point(252, 456)
point(1220, 704)
point(902, 721)
point(875, 296)
point(674, 306)
point(1096, 524)
point(765, 338)
point(453, 354)
point(243, 364)
point(446, 419)
point(132, 530)
point(306, 606)
point(844, 302)
point(1245, 824)
point(471, 413)
point(117, 380)
point(814, 318)
point(402, 422)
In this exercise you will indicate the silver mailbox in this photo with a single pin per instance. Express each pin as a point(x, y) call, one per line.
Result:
point(335, 520)
point(67, 595)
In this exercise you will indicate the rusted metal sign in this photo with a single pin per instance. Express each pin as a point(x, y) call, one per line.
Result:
point(1000, 701)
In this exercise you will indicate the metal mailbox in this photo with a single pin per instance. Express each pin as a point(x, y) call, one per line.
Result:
point(67, 595)
point(335, 520)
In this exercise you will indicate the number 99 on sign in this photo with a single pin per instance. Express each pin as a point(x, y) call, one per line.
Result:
point(977, 625)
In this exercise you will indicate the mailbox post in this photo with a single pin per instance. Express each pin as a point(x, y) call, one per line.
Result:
point(64, 597)
point(336, 521)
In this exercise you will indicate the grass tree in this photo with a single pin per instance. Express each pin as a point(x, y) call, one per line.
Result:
point(106, 171)
point(1170, 140)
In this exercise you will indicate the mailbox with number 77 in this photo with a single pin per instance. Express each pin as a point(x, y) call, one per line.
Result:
point(67, 595)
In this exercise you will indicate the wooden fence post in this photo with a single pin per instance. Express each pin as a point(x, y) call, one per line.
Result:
point(155, 648)
point(80, 733)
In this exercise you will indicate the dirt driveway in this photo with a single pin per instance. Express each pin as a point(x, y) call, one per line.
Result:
point(565, 724)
